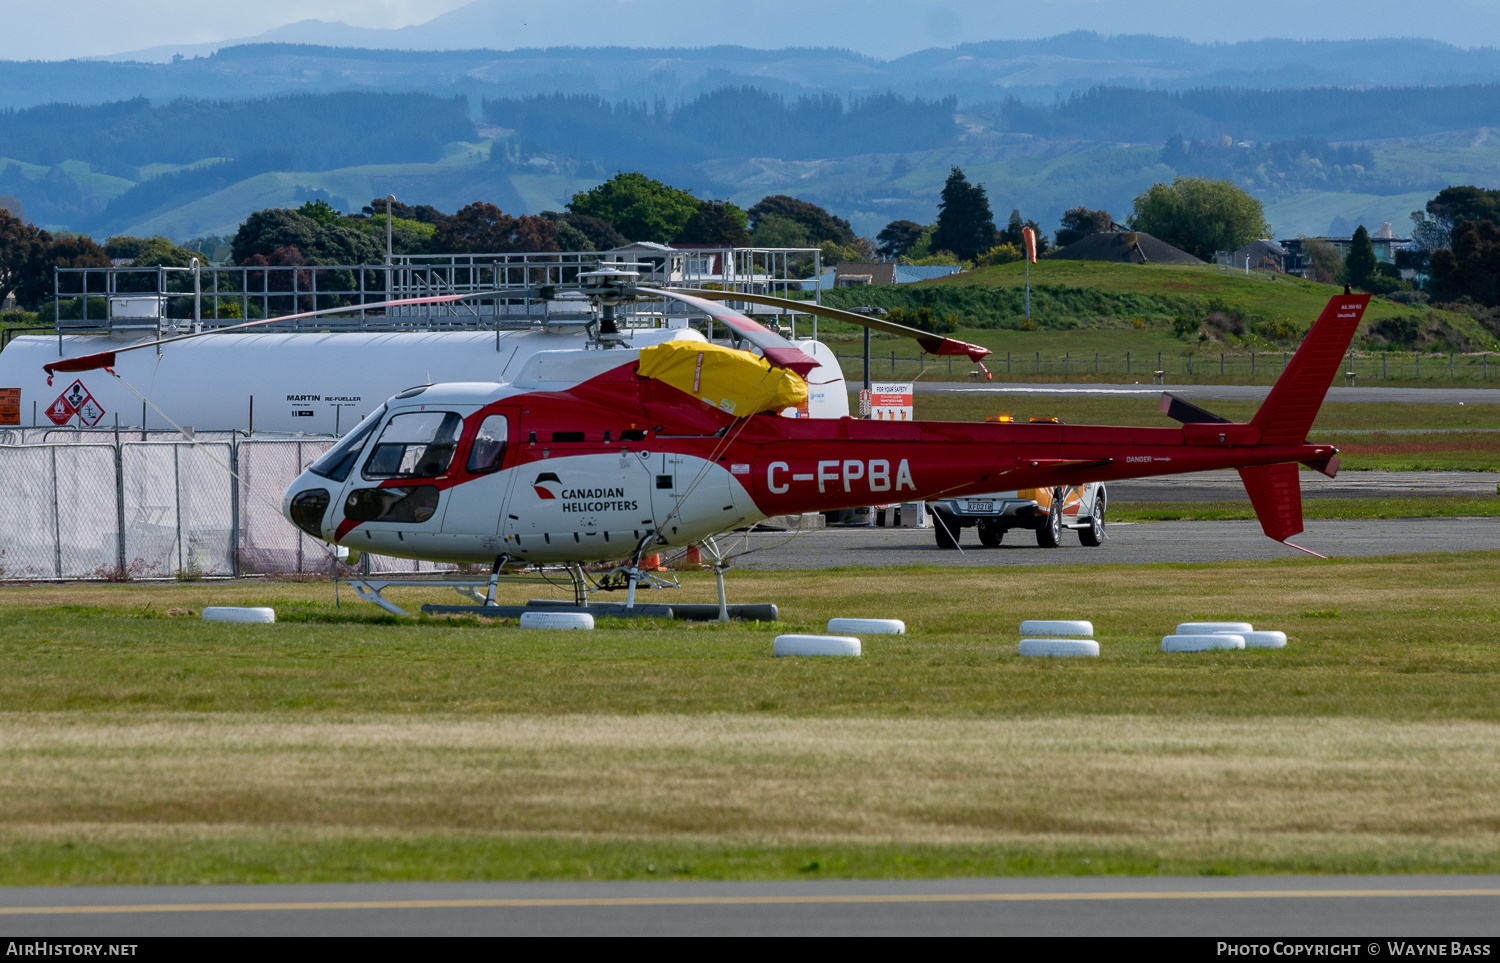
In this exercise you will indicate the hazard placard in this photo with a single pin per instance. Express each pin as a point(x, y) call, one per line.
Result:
point(75, 402)
point(10, 406)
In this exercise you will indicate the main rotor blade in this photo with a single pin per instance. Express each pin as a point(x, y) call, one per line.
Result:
point(105, 359)
point(931, 343)
point(777, 350)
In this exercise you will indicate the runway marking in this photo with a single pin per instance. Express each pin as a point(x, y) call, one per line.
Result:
point(611, 901)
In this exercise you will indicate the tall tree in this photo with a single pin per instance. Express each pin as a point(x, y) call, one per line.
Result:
point(68, 251)
point(817, 222)
point(640, 207)
point(1200, 216)
point(21, 245)
point(1471, 267)
point(716, 222)
point(1359, 263)
point(481, 228)
point(965, 224)
point(338, 243)
point(1080, 222)
point(897, 237)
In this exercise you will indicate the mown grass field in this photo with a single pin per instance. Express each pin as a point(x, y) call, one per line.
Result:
point(140, 744)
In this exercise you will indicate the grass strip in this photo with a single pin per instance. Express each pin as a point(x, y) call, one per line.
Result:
point(1413, 637)
point(90, 855)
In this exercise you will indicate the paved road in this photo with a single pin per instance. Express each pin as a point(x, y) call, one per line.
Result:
point(1226, 486)
point(1127, 543)
point(1363, 907)
point(1411, 396)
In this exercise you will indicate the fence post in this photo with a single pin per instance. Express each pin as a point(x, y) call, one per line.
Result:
point(1096, 362)
point(234, 506)
point(1038, 362)
point(120, 501)
point(56, 524)
point(1418, 356)
point(1382, 367)
point(177, 500)
point(1221, 364)
point(1127, 363)
point(1252, 364)
point(1450, 366)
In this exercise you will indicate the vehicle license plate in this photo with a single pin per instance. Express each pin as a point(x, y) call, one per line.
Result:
point(981, 506)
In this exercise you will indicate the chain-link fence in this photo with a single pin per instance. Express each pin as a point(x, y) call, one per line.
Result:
point(80, 506)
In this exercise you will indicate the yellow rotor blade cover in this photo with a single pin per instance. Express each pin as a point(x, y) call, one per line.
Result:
point(736, 382)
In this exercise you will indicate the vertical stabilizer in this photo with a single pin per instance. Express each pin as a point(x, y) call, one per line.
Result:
point(1276, 495)
point(1289, 410)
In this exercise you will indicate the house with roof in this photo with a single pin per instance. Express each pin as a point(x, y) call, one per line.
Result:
point(1261, 255)
point(1383, 239)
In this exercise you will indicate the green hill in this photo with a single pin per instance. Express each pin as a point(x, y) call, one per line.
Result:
point(1123, 322)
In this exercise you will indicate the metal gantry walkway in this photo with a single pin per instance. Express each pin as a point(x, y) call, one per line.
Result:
point(167, 300)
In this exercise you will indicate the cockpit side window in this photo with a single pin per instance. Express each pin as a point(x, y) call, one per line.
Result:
point(418, 444)
point(339, 460)
point(488, 450)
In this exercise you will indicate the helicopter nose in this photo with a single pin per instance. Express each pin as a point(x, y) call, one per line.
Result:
point(306, 504)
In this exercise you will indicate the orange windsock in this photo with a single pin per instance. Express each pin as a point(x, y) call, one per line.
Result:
point(1028, 234)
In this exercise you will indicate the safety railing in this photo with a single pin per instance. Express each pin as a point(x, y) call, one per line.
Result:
point(167, 300)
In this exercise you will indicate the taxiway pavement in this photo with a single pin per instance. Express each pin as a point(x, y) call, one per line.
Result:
point(1133, 544)
point(1226, 486)
point(1360, 907)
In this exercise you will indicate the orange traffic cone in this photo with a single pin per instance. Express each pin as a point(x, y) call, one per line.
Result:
point(651, 563)
point(694, 556)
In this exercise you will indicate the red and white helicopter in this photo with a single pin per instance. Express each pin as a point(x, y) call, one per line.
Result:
point(610, 452)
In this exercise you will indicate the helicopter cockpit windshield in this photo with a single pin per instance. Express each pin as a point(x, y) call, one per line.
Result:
point(338, 460)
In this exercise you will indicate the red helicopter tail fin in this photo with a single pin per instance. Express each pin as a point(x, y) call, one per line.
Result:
point(1288, 412)
point(1276, 495)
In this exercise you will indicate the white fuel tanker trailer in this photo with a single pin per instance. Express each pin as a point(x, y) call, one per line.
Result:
point(314, 383)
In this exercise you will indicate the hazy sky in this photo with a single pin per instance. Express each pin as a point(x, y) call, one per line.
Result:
point(82, 28)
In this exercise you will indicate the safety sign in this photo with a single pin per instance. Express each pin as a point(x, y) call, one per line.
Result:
point(75, 402)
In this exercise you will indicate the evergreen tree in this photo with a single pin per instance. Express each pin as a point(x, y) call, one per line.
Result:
point(897, 237)
point(1012, 232)
point(818, 223)
point(1359, 264)
point(965, 225)
point(715, 222)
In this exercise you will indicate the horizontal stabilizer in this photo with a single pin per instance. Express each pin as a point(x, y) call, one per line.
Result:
point(1276, 495)
point(1187, 412)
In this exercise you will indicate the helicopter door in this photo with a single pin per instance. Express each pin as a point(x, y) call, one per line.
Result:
point(690, 496)
point(396, 497)
point(477, 506)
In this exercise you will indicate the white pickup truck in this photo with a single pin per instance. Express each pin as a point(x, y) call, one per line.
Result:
point(1047, 511)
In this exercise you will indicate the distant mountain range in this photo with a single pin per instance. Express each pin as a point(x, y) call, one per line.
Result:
point(974, 73)
point(190, 147)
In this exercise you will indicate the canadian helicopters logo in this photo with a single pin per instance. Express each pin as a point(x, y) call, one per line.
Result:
point(548, 487)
